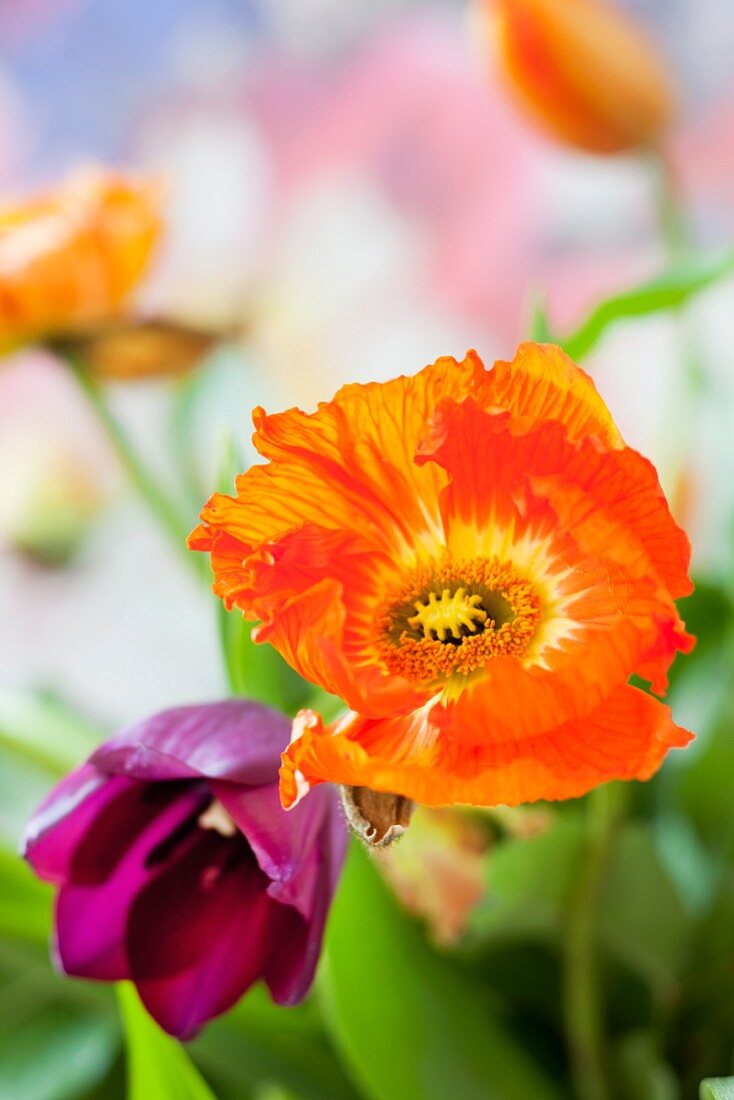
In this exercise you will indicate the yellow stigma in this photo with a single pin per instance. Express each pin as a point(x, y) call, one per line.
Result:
point(453, 615)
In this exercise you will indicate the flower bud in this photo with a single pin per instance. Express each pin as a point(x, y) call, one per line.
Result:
point(582, 69)
point(51, 501)
point(377, 818)
point(70, 259)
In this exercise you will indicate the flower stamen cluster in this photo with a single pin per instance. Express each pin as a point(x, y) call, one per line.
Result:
point(466, 613)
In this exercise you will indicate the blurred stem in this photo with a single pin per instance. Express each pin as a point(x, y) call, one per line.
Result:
point(582, 1000)
point(676, 237)
point(159, 504)
point(672, 220)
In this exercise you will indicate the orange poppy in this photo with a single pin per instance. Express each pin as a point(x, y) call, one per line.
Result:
point(582, 69)
point(69, 259)
point(475, 563)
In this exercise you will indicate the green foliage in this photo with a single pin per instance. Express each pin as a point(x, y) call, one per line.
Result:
point(717, 1088)
point(58, 1038)
point(259, 1041)
point(671, 290)
point(642, 921)
point(158, 1068)
point(409, 1023)
point(41, 729)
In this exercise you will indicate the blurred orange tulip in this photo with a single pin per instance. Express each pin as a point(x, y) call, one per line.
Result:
point(584, 70)
point(69, 258)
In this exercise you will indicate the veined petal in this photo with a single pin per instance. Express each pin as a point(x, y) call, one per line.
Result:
point(315, 592)
point(348, 466)
point(604, 603)
point(542, 383)
point(420, 756)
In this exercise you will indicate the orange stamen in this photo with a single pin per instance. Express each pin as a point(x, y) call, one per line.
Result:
point(450, 618)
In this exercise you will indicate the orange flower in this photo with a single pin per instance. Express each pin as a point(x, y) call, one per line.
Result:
point(583, 70)
point(476, 563)
point(69, 259)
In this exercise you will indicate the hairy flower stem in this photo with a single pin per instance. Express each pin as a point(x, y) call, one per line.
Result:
point(159, 505)
point(582, 999)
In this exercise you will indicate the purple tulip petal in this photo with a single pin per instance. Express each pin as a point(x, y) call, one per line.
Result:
point(290, 972)
point(64, 818)
point(285, 844)
point(200, 934)
point(106, 874)
point(235, 740)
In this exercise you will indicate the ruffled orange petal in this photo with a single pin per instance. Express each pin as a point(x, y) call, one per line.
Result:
point(361, 447)
point(313, 593)
point(542, 383)
point(349, 466)
point(626, 737)
point(605, 605)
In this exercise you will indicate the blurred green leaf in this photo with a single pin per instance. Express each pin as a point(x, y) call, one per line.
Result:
point(701, 1031)
point(40, 728)
point(258, 671)
point(58, 1038)
point(258, 1041)
point(25, 903)
point(409, 1022)
point(529, 884)
point(717, 1088)
point(642, 920)
point(704, 788)
point(55, 1055)
point(670, 290)
point(158, 1067)
point(641, 1072)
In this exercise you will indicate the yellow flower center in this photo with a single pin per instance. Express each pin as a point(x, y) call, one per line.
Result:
point(450, 617)
point(447, 620)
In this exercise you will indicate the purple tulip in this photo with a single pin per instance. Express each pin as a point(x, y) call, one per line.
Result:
point(178, 869)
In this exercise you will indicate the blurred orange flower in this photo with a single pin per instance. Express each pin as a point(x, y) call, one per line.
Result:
point(476, 563)
point(584, 70)
point(68, 259)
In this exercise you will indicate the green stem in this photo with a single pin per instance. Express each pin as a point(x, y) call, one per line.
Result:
point(159, 504)
point(675, 234)
point(582, 1001)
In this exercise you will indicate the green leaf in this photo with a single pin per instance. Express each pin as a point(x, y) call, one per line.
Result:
point(55, 1055)
point(704, 787)
point(258, 671)
point(670, 290)
point(258, 1041)
point(642, 920)
point(529, 885)
point(25, 903)
point(158, 1067)
point(40, 728)
point(642, 1074)
point(408, 1021)
point(717, 1088)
